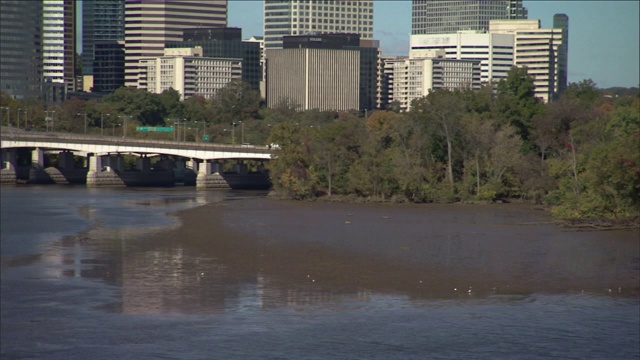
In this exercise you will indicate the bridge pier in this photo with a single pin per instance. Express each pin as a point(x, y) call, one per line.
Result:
point(37, 173)
point(9, 166)
point(101, 175)
point(208, 180)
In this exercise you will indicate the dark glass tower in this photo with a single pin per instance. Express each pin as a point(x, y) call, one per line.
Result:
point(102, 20)
point(21, 48)
point(561, 21)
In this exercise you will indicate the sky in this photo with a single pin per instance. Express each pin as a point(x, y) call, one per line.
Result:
point(604, 41)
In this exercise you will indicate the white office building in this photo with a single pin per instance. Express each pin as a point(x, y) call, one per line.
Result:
point(58, 42)
point(301, 17)
point(414, 77)
point(188, 72)
point(494, 51)
point(537, 49)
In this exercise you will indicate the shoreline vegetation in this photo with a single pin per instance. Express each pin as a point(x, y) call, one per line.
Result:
point(577, 156)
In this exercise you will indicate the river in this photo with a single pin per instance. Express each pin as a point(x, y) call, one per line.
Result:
point(183, 274)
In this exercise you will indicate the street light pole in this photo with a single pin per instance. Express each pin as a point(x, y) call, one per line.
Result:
point(102, 123)
point(18, 118)
point(8, 114)
point(85, 121)
point(233, 133)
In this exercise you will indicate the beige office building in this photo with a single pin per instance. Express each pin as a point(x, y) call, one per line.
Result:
point(323, 79)
point(188, 72)
point(151, 24)
point(537, 49)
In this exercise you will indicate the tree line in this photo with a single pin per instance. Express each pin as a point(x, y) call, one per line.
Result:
point(579, 153)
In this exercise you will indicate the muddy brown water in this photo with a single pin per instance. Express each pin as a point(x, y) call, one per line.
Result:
point(237, 275)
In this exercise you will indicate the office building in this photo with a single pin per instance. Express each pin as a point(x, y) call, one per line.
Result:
point(448, 17)
point(187, 71)
point(494, 51)
point(108, 70)
point(561, 21)
point(59, 43)
point(102, 21)
point(151, 24)
point(300, 17)
point(21, 48)
point(325, 72)
point(537, 49)
point(225, 43)
point(415, 77)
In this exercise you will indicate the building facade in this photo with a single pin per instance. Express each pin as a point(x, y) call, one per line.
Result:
point(151, 24)
point(561, 21)
point(102, 20)
point(538, 50)
point(225, 43)
point(447, 16)
point(317, 82)
point(494, 51)
point(300, 17)
point(412, 78)
point(21, 48)
point(59, 42)
point(108, 70)
point(188, 72)
point(323, 79)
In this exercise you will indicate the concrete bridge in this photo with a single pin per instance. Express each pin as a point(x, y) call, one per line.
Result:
point(103, 161)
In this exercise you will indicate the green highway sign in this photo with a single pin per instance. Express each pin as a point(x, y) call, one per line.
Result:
point(205, 137)
point(154, 128)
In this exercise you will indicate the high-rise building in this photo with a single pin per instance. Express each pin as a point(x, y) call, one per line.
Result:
point(561, 21)
point(21, 48)
point(59, 42)
point(300, 17)
point(326, 72)
point(151, 24)
point(108, 70)
point(447, 16)
point(102, 20)
point(536, 48)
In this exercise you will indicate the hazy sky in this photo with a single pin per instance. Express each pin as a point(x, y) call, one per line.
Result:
point(604, 44)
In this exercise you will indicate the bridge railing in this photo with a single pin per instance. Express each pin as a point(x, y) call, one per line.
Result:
point(15, 134)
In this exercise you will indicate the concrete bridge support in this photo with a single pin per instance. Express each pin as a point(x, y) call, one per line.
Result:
point(37, 173)
point(9, 166)
point(143, 164)
point(101, 175)
point(208, 180)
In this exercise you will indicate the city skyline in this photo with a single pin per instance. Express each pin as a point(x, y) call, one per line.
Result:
point(603, 32)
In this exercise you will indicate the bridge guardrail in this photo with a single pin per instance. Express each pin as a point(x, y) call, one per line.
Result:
point(18, 134)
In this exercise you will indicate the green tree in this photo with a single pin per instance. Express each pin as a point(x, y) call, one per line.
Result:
point(237, 101)
point(516, 103)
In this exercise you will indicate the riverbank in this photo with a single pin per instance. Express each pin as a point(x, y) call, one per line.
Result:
point(429, 250)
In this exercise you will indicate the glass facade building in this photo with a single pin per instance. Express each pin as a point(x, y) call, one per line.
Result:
point(21, 48)
point(451, 16)
point(561, 21)
point(108, 70)
point(102, 20)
